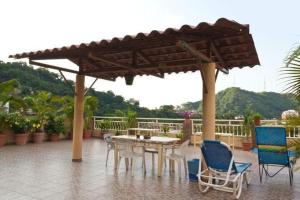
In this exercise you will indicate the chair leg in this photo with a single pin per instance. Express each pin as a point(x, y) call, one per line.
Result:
point(132, 166)
point(127, 163)
point(185, 167)
point(290, 175)
point(165, 160)
point(107, 157)
point(260, 173)
point(179, 168)
point(119, 161)
point(153, 161)
point(144, 164)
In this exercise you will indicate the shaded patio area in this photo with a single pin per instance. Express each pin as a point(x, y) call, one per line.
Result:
point(44, 171)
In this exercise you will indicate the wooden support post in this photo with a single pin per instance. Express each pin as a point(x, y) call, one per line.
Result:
point(78, 119)
point(209, 104)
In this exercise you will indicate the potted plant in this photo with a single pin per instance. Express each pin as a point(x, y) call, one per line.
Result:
point(131, 121)
point(19, 124)
point(54, 127)
point(104, 126)
point(256, 122)
point(35, 127)
point(248, 125)
point(179, 136)
point(90, 106)
point(187, 126)
point(68, 111)
point(256, 119)
point(165, 129)
point(3, 118)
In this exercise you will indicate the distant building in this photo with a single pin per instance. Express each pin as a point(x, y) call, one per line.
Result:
point(6, 107)
point(239, 117)
point(289, 113)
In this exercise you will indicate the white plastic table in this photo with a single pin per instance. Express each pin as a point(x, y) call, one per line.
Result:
point(155, 142)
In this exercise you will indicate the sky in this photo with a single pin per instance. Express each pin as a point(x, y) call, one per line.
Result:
point(36, 25)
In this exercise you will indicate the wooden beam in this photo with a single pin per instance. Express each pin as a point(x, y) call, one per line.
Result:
point(216, 76)
point(145, 57)
point(158, 67)
point(66, 81)
point(87, 90)
point(134, 59)
point(218, 55)
point(203, 81)
point(52, 67)
point(185, 46)
point(115, 63)
point(133, 70)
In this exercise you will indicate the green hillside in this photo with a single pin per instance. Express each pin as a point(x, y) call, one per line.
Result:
point(234, 101)
point(33, 80)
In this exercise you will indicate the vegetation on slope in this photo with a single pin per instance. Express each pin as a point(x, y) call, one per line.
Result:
point(33, 80)
point(234, 101)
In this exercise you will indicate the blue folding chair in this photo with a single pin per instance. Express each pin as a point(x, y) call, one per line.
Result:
point(273, 151)
point(222, 172)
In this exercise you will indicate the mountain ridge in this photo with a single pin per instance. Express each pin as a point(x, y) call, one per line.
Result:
point(233, 101)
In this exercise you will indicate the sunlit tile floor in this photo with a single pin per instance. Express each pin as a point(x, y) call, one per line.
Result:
point(45, 171)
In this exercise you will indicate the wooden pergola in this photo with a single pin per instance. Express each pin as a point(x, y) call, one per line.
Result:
point(208, 48)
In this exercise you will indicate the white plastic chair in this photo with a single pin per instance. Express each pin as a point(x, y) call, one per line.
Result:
point(127, 151)
point(110, 145)
point(179, 155)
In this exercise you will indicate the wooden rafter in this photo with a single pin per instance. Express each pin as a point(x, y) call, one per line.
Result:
point(203, 81)
point(87, 90)
point(134, 59)
point(218, 55)
point(67, 82)
point(185, 46)
point(158, 67)
point(217, 73)
point(115, 63)
point(133, 70)
point(145, 58)
point(52, 67)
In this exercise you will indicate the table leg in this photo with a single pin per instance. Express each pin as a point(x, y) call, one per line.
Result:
point(160, 160)
point(127, 163)
point(172, 161)
point(116, 155)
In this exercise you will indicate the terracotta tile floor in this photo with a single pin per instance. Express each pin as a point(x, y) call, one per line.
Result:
point(45, 171)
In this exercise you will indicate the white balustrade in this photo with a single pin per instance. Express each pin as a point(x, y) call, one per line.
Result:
point(226, 127)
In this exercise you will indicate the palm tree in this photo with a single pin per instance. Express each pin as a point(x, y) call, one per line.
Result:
point(91, 104)
point(41, 104)
point(291, 75)
point(291, 72)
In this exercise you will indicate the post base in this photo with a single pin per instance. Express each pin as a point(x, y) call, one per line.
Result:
point(77, 160)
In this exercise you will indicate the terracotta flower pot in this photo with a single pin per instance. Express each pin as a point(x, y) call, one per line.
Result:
point(257, 122)
point(54, 137)
point(21, 138)
point(70, 135)
point(38, 137)
point(87, 134)
point(247, 145)
point(2, 140)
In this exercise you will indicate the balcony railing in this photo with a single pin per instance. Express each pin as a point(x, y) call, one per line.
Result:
point(223, 127)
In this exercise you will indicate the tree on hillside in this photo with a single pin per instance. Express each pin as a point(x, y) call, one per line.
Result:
point(9, 91)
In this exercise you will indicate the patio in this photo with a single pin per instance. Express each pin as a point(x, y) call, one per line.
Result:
point(44, 171)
